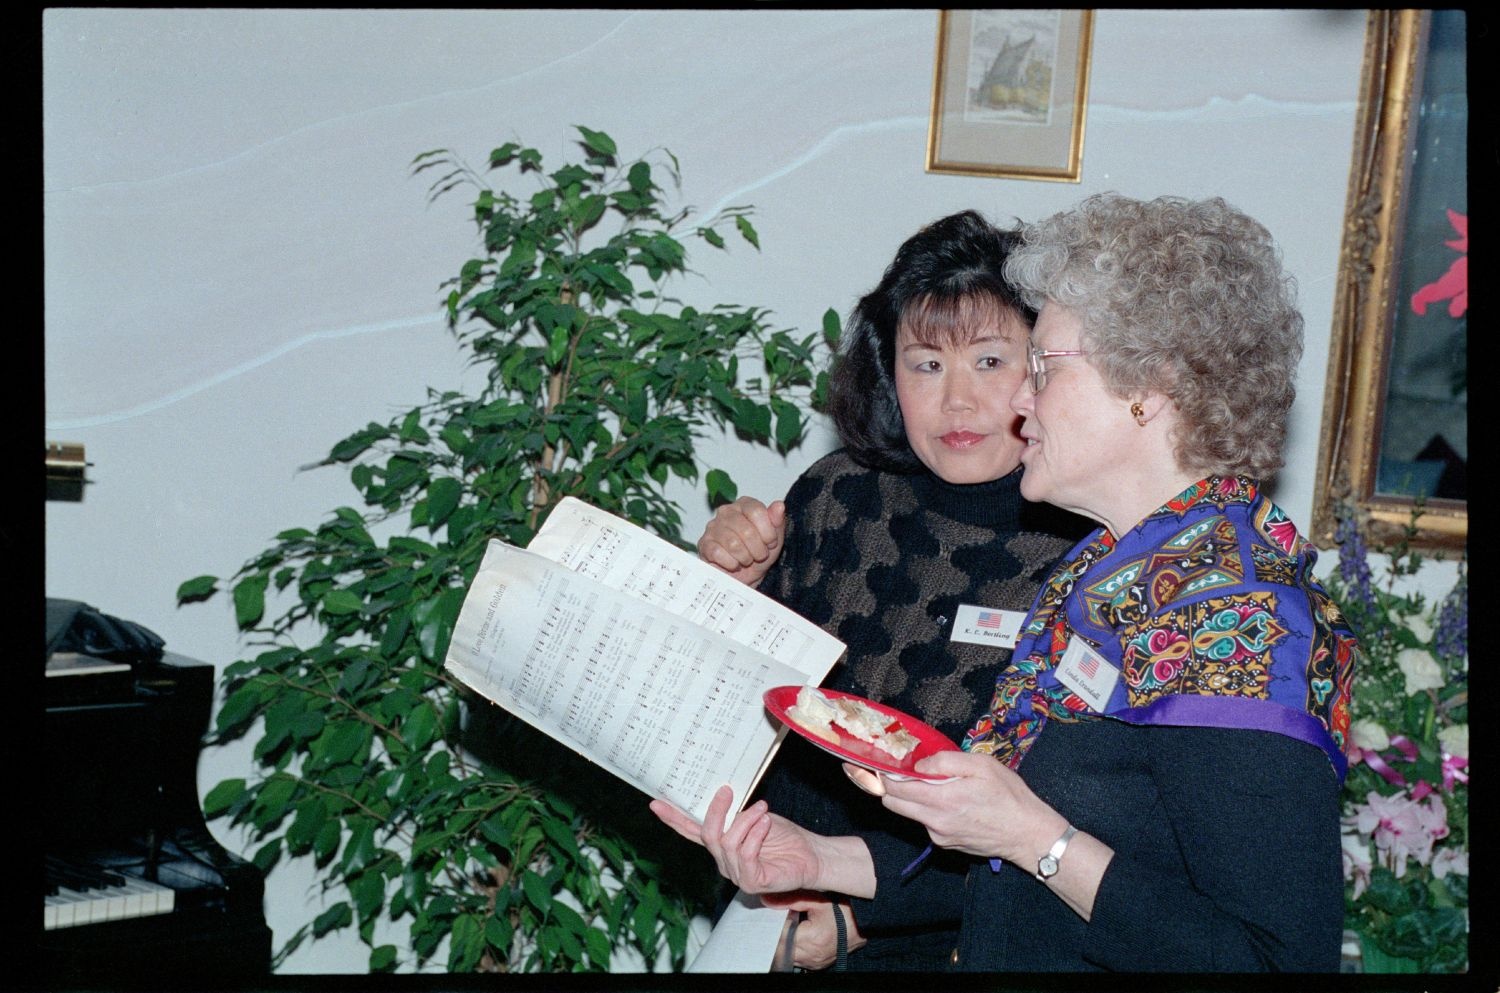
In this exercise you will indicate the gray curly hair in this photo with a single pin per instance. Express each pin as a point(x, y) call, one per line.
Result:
point(1185, 298)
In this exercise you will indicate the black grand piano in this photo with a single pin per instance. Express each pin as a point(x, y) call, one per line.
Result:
point(138, 892)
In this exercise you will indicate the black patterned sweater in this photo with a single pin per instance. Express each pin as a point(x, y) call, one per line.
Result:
point(882, 561)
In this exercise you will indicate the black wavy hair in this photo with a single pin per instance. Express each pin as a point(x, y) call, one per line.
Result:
point(951, 262)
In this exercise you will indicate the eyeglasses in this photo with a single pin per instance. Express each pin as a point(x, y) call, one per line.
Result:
point(1038, 367)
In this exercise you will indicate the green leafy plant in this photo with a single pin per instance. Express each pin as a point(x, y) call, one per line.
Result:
point(1406, 799)
point(413, 800)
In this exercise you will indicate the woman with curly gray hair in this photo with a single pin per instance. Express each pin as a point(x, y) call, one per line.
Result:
point(1155, 784)
point(1185, 300)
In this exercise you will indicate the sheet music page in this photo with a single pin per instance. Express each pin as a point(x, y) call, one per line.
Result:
point(670, 706)
point(746, 938)
point(620, 554)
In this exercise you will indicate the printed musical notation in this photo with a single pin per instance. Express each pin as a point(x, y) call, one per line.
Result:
point(598, 638)
point(538, 679)
point(619, 554)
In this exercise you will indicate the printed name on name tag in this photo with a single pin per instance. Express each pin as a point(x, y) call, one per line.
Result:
point(1087, 673)
point(987, 625)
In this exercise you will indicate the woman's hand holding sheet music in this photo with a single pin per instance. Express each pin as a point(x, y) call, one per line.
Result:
point(761, 852)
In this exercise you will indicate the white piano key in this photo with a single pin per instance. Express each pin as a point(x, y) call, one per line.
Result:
point(68, 903)
point(162, 899)
point(86, 908)
point(134, 898)
point(111, 903)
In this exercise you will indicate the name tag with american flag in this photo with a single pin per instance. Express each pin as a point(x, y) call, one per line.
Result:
point(987, 625)
point(1087, 673)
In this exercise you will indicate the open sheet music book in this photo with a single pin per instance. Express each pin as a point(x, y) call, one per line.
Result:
point(635, 654)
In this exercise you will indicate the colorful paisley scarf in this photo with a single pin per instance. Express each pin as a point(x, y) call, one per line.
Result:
point(1210, 614)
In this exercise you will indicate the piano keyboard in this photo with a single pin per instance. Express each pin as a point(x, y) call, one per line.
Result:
point(87, 895)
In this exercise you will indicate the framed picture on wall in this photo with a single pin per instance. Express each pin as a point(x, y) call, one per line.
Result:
point(1009, 93)
point(1396, 406)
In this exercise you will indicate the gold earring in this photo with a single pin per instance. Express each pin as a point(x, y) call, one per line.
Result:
point(1139, 413)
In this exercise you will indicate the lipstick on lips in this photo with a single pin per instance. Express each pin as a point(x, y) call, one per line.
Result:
point(961, 439)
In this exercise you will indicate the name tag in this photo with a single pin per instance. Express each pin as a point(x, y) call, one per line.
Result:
point(987, 625)
point(1087, 673)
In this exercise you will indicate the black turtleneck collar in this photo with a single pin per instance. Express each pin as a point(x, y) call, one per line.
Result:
point(994, 504)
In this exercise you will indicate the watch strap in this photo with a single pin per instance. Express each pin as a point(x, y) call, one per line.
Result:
point(1047, 865)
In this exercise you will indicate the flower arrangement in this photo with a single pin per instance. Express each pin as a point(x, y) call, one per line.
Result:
point(1406, 802)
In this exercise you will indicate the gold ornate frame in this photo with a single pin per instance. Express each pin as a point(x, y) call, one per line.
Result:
point(1052, 152)
point(1354, 399)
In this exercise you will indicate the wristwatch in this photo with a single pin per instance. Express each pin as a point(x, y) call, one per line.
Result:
point(1047, 865)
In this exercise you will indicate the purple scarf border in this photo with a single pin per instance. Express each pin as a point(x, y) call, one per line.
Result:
point(1242, 713)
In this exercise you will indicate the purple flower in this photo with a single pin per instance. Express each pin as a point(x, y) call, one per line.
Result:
point(1451, 640)
point(1354, 564)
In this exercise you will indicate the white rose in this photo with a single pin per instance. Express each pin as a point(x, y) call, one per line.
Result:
point(1419, 626)
point(1370, 736)
point(1455, 740)
point(1420, 669)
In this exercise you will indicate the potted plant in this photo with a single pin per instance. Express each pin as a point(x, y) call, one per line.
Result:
point(369, 759)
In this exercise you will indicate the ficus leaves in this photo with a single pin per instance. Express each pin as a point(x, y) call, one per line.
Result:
point(597, 384)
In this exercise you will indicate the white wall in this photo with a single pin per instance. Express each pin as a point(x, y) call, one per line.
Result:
point(240, 270)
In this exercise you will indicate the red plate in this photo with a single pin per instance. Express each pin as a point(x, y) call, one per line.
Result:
point(849, 748)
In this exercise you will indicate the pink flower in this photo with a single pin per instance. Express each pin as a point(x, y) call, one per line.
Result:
point(1401, 827)
point(1356, 860)
point(1450, 860)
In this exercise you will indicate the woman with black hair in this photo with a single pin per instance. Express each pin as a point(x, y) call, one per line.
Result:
point(898, 542)
point(1155, 784)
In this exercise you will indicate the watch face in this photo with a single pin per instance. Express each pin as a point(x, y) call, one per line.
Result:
point(1046, 867)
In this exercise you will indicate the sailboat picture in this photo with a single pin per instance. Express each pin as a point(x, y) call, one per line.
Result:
point(1010, 93)
point(1012, 60)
